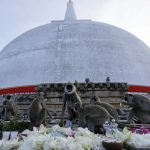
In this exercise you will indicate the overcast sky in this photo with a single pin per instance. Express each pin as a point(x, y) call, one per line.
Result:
point(18, 16)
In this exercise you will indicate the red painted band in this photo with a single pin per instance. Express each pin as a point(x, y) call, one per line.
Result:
point(33, 89)
point(17, 90)
point(139, 89)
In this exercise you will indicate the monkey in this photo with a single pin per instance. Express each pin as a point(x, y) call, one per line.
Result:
point(92, 116)
point(37, 110)
point(112, 111)
point(140, 107)
point(9, 108)
point(70, 97)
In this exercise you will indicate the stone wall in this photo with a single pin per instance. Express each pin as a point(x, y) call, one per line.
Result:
point(108, 92)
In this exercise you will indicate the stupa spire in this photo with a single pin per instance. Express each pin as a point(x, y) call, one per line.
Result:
point(70, 12)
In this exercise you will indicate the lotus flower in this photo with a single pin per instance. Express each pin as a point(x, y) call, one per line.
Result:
point(58, 138)
point(7, 145)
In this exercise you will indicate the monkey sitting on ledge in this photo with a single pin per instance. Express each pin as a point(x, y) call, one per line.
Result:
point(70, 97)
point(112, 111)
point(37, 110)
point(92, 116)
point(9, 108)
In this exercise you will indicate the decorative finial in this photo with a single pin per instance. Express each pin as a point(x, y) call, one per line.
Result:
point(87, 80)
point(70, 12)
point(107, 79)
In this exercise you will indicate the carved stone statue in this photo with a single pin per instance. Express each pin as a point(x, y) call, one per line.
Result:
point(112, 111)
point(140, 107)
point(9, 108)
point(37, 110)
point(70, 97)
point(92, 116)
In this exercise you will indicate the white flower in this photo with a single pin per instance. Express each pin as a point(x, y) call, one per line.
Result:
point(140, 140)
point(59, 138)
point(85, 141)
point(33, 142)
point(97, 140)
point(72, 144)
point(52, 143)
point(7, 145)
point(83, 131)
point(64, 131)
point(123, 136)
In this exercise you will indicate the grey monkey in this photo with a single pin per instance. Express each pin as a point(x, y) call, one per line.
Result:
point(112, 111)
point(140, 107)
point(70, 97)
point(38, 110)
point(92, 116)
point(9, 108)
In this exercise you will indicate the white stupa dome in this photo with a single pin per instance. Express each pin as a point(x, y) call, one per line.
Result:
point(72, 49)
